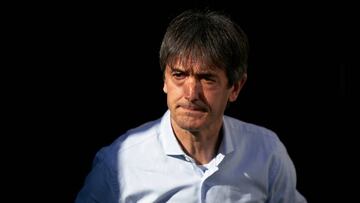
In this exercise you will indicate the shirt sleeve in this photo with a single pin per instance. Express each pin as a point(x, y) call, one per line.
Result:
point(100, 185)
point(282, 179)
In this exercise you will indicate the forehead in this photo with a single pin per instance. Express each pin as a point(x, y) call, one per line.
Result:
point(194, 66)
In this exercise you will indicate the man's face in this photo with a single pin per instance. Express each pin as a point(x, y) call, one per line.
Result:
point(197, 96)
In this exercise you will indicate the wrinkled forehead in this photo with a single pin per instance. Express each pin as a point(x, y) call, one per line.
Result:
point(192, 64)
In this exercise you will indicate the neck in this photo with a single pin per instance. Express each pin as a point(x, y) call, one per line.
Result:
point(203, 145)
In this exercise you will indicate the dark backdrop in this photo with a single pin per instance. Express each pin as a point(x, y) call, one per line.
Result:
point(93, 73)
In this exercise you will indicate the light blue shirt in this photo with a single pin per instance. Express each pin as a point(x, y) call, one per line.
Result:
point(147, 164)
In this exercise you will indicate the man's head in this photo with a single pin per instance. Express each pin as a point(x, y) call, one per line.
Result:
point(204, 59)
point(207, 37)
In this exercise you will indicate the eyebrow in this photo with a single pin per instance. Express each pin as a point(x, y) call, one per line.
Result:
point(200, 73)
point(176, 69)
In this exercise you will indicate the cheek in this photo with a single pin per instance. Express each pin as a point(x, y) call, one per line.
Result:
point(176, 94)
point(217, 99)
point(173, 92)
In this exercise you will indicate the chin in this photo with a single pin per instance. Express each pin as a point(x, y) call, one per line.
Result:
point(190, 124)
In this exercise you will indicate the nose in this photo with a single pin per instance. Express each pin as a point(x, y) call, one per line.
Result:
point(192, 89)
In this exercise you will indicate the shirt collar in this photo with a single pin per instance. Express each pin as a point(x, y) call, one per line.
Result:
point(167, 136)
point(227, 144)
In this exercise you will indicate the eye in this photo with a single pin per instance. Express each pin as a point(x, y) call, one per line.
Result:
point(178, 75)
point(208, 78)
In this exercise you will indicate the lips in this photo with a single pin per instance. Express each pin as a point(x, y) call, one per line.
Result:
point(193, 107)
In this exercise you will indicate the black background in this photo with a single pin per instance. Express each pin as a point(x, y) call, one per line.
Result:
point(87, 72)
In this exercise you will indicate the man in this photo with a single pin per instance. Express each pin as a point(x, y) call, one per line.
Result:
point(195, 153)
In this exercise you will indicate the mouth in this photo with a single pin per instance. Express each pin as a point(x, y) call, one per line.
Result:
point(192, 107)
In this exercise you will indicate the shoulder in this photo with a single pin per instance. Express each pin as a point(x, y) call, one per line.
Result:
point(130, 141)
point(138, 135)
point(252, 134)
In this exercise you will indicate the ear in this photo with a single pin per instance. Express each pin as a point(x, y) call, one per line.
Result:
point(165, 87)
point(237, 87)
